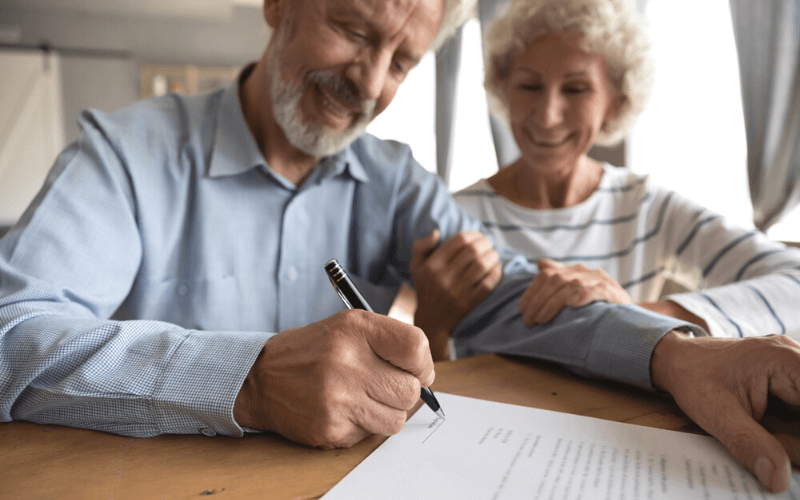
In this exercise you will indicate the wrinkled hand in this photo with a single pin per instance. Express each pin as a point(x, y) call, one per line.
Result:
point(558, 286)
point(450, 280)
point(334, 382)
point(723, 385)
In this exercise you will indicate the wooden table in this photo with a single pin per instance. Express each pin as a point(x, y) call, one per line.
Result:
point(50, 461)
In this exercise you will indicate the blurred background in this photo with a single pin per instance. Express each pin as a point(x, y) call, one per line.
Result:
point(60, 56)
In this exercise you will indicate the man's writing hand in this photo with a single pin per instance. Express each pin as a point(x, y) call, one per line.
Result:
point(723, 385)
point(450, 280)
point(558, 286)
point(334, 382)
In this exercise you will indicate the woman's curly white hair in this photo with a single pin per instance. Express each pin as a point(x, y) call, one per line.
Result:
point(611, 28)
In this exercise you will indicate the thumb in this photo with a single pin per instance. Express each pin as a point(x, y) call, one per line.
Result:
point(424, 246)
point(757, 449)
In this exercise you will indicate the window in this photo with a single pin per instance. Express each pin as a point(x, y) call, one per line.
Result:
point(411, 117)
point(691, 137)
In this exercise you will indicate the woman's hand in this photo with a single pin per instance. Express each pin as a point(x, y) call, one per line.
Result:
point(558, 286)
point(450, 280)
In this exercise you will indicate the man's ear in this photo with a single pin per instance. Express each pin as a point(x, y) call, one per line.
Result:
point(274, 11)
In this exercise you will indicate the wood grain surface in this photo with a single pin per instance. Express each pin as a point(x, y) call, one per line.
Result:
point(50, 461)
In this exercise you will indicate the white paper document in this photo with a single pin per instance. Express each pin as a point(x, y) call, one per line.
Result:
point(486, 450)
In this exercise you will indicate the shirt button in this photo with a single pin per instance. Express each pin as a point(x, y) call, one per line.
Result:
point(183, 290)
point(208, 432)
point(292, 273)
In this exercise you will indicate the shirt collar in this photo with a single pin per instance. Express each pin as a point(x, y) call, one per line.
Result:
point(236, 151)
point(235, 148)
point(343, 161)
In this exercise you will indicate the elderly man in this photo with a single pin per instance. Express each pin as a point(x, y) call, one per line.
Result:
point(169, 276)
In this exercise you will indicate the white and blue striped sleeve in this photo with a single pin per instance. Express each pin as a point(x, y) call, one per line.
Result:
point(747, 283)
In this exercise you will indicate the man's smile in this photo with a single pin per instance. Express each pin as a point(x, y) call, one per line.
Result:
point(336, 109)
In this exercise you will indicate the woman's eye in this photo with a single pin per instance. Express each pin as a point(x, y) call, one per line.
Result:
point(577, 90)
point(530, 86)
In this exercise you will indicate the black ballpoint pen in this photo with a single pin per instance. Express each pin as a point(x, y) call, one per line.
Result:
point(353, 299)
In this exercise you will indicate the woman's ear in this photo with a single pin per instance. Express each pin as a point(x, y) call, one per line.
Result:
point(614, 110)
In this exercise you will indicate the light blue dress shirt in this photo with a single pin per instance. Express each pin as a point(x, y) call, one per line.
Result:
point(162, 253)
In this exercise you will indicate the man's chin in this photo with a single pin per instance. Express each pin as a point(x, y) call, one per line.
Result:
point(324, 144)
point(322, 140)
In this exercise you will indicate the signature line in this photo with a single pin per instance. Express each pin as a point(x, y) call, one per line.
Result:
point(431, 434)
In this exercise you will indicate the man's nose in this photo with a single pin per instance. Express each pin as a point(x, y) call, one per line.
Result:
point(370, 73)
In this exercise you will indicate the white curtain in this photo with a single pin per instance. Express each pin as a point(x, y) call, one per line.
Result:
point(767, 36)
point(31, 126)
point(448, 64)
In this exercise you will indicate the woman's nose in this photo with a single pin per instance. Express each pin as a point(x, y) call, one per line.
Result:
point(549, 110)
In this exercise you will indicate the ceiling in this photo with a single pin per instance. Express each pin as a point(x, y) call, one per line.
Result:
point(196, 9)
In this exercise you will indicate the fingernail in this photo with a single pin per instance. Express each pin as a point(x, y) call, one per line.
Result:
point(785, 479)
point(764, 470)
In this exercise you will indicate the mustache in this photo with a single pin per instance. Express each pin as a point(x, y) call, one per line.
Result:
point(343, 88)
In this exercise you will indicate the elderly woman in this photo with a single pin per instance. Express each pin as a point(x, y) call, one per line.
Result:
point(568, 74)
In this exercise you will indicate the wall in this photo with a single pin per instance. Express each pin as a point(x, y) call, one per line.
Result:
point(31, 126)
point(106, 76)
point(96, 82)
point(233, 41)
point(110, 82)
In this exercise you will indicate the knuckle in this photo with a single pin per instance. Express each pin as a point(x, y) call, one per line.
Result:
point(485, 287)
point(341, 357)
point(485, 263)
point(418, 344)
point(783, 340)
point(548, 273)
point(408, 392)
point(330, 399)
point(396, 423)
point(334, 437)
point(461, 238)
point(328, 431)
point(345, 322)
point(575, 283)
point(530, 319)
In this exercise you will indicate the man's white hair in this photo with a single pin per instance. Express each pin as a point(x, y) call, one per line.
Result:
point(456, 13)
point(611, 28)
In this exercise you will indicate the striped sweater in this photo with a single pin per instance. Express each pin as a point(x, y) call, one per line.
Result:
point(740, 282)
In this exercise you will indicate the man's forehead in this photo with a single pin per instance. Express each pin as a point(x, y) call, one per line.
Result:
point(377, 5)
point(417, 21)
point(375, 9)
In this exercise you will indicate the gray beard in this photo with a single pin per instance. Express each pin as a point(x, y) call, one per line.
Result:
point(313, 138)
